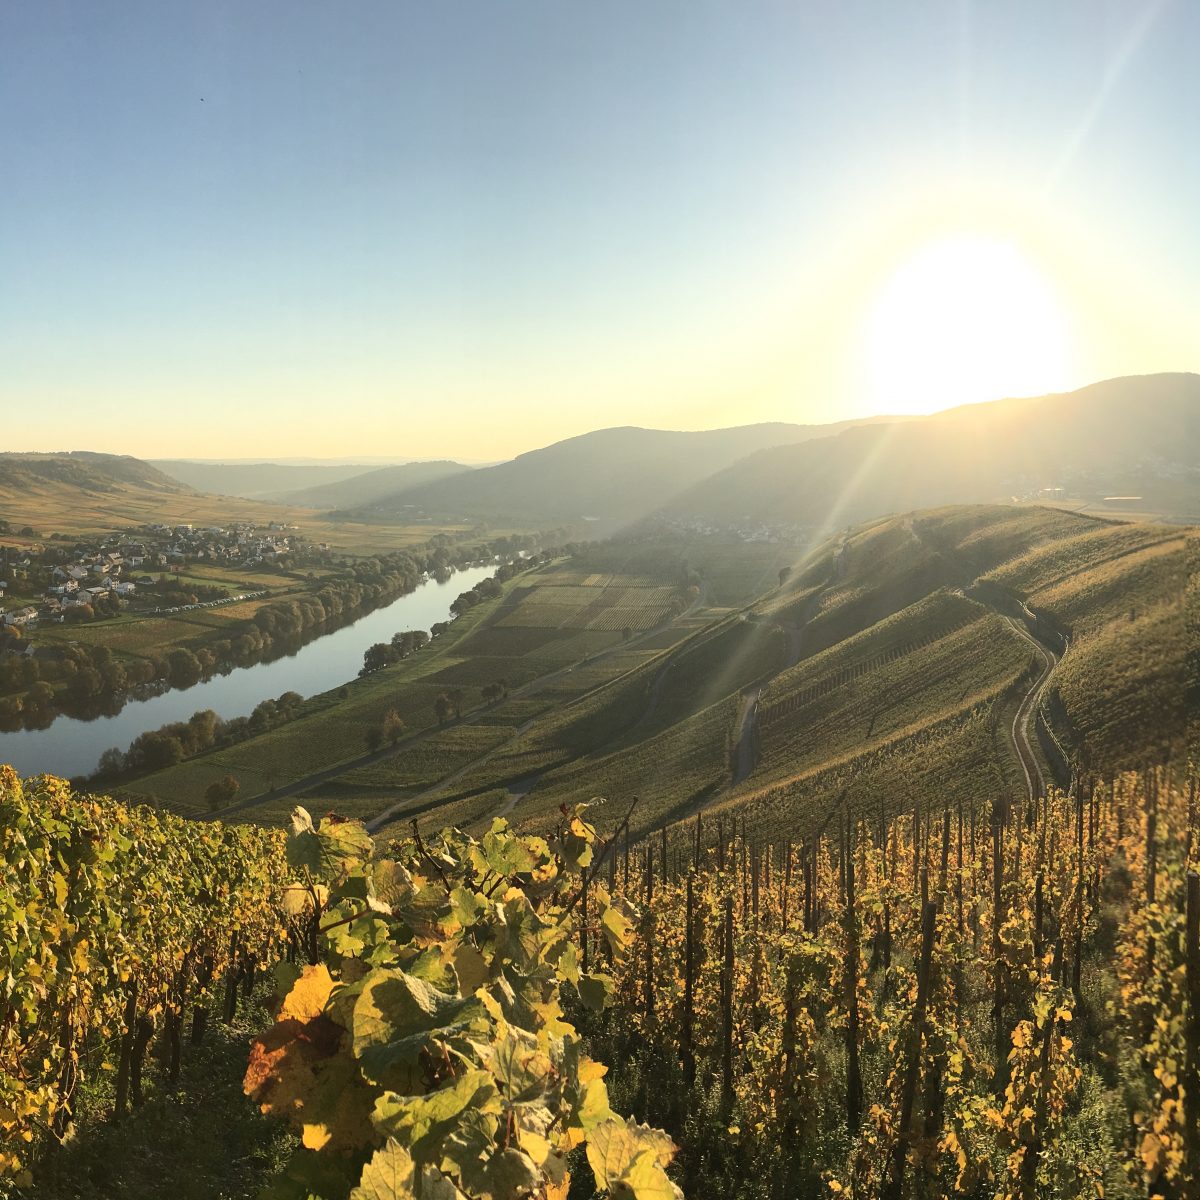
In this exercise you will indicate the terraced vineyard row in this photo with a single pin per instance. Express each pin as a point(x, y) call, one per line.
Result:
point(814, 691)
point(115, 921)
point(985, 1001)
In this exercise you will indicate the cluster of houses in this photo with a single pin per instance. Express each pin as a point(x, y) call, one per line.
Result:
point(787, 535)
point(120, 563)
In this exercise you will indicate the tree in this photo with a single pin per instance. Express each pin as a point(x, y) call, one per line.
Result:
point(112, 763)
point(378, 656)
point(222, 793)
point(443, 707)
point(374, 738)
point(183, 667)
point(456, 698)
point(393, 727)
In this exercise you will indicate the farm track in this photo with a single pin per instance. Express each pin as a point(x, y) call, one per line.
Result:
point(1023, 748)
point(1031, 767)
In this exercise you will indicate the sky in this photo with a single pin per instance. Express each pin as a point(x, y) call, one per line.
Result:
point(271, 228)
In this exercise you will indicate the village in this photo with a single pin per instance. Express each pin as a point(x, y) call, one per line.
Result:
point(48, 582)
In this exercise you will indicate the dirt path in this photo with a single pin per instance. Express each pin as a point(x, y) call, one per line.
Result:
point(744, 756)
point(1035, 779)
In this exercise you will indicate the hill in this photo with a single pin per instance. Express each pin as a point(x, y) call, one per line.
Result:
point(1135, 437)
point(368, 487)
point(903, 654)
point(609, 477)
point(80, 469)
point(255, 480)
point(81, 493)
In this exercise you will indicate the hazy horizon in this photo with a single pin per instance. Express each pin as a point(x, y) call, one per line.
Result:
point(260, 233)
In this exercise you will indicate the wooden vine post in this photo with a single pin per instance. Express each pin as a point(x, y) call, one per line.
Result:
point(999, 1030)
point(1191, 1077)
point(649, 925)
point(853, 1075)
point(893, 1184)
point(689, 974)
point(727, 1016)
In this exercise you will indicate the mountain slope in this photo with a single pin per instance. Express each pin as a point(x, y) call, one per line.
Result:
point(255, 481)
point(1136, 436)
point(611, 476)
point(82, 469)
point(368, 487)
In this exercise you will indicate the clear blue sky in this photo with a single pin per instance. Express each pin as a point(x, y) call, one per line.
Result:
point(450, 228)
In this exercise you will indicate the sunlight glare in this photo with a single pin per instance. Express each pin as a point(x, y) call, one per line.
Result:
point(966, 318)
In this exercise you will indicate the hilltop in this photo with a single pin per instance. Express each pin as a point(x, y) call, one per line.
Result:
point(1137, 437)
point(254, 481)
point(80, 493)
point(609, 477)
point(309, 485)
point(80, 469)
point(1134, 437)
point(372, 485)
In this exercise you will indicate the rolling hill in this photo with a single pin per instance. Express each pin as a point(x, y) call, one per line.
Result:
point(370, 486)
point(83, 470)
point(1135, 437)
point(609, 477)
point(255, 480)
point(894, 664)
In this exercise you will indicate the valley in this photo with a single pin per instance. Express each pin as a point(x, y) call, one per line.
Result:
point(736, 760)
point(926, 648)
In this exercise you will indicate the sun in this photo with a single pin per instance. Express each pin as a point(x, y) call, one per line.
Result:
point(966, 318)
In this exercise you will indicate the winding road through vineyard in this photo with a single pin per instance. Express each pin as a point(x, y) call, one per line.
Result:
point(1035, 780)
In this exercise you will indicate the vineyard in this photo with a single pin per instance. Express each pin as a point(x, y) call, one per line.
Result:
point(606, 603)
point(943, 1001)
point(420, 1047)
point(115, 923)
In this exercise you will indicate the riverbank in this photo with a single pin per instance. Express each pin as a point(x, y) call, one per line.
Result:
point(73, 746)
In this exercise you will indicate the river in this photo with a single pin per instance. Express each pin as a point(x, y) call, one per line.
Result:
point(72, 746)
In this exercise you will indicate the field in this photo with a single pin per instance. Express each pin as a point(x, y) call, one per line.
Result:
point(483, 648)
point(845, 701)
point(52, 508)
point(875, 669)
point(879, 695)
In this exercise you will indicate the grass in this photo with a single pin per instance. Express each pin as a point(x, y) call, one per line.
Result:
point(422, 765)
point(1051, 563)
point(200, 1140)
point(958, 759)
point(1116, 590)
point(479, 650)
point(1122, 691)
point(672, 772)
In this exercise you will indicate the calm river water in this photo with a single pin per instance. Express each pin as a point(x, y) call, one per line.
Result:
point(73, 747)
